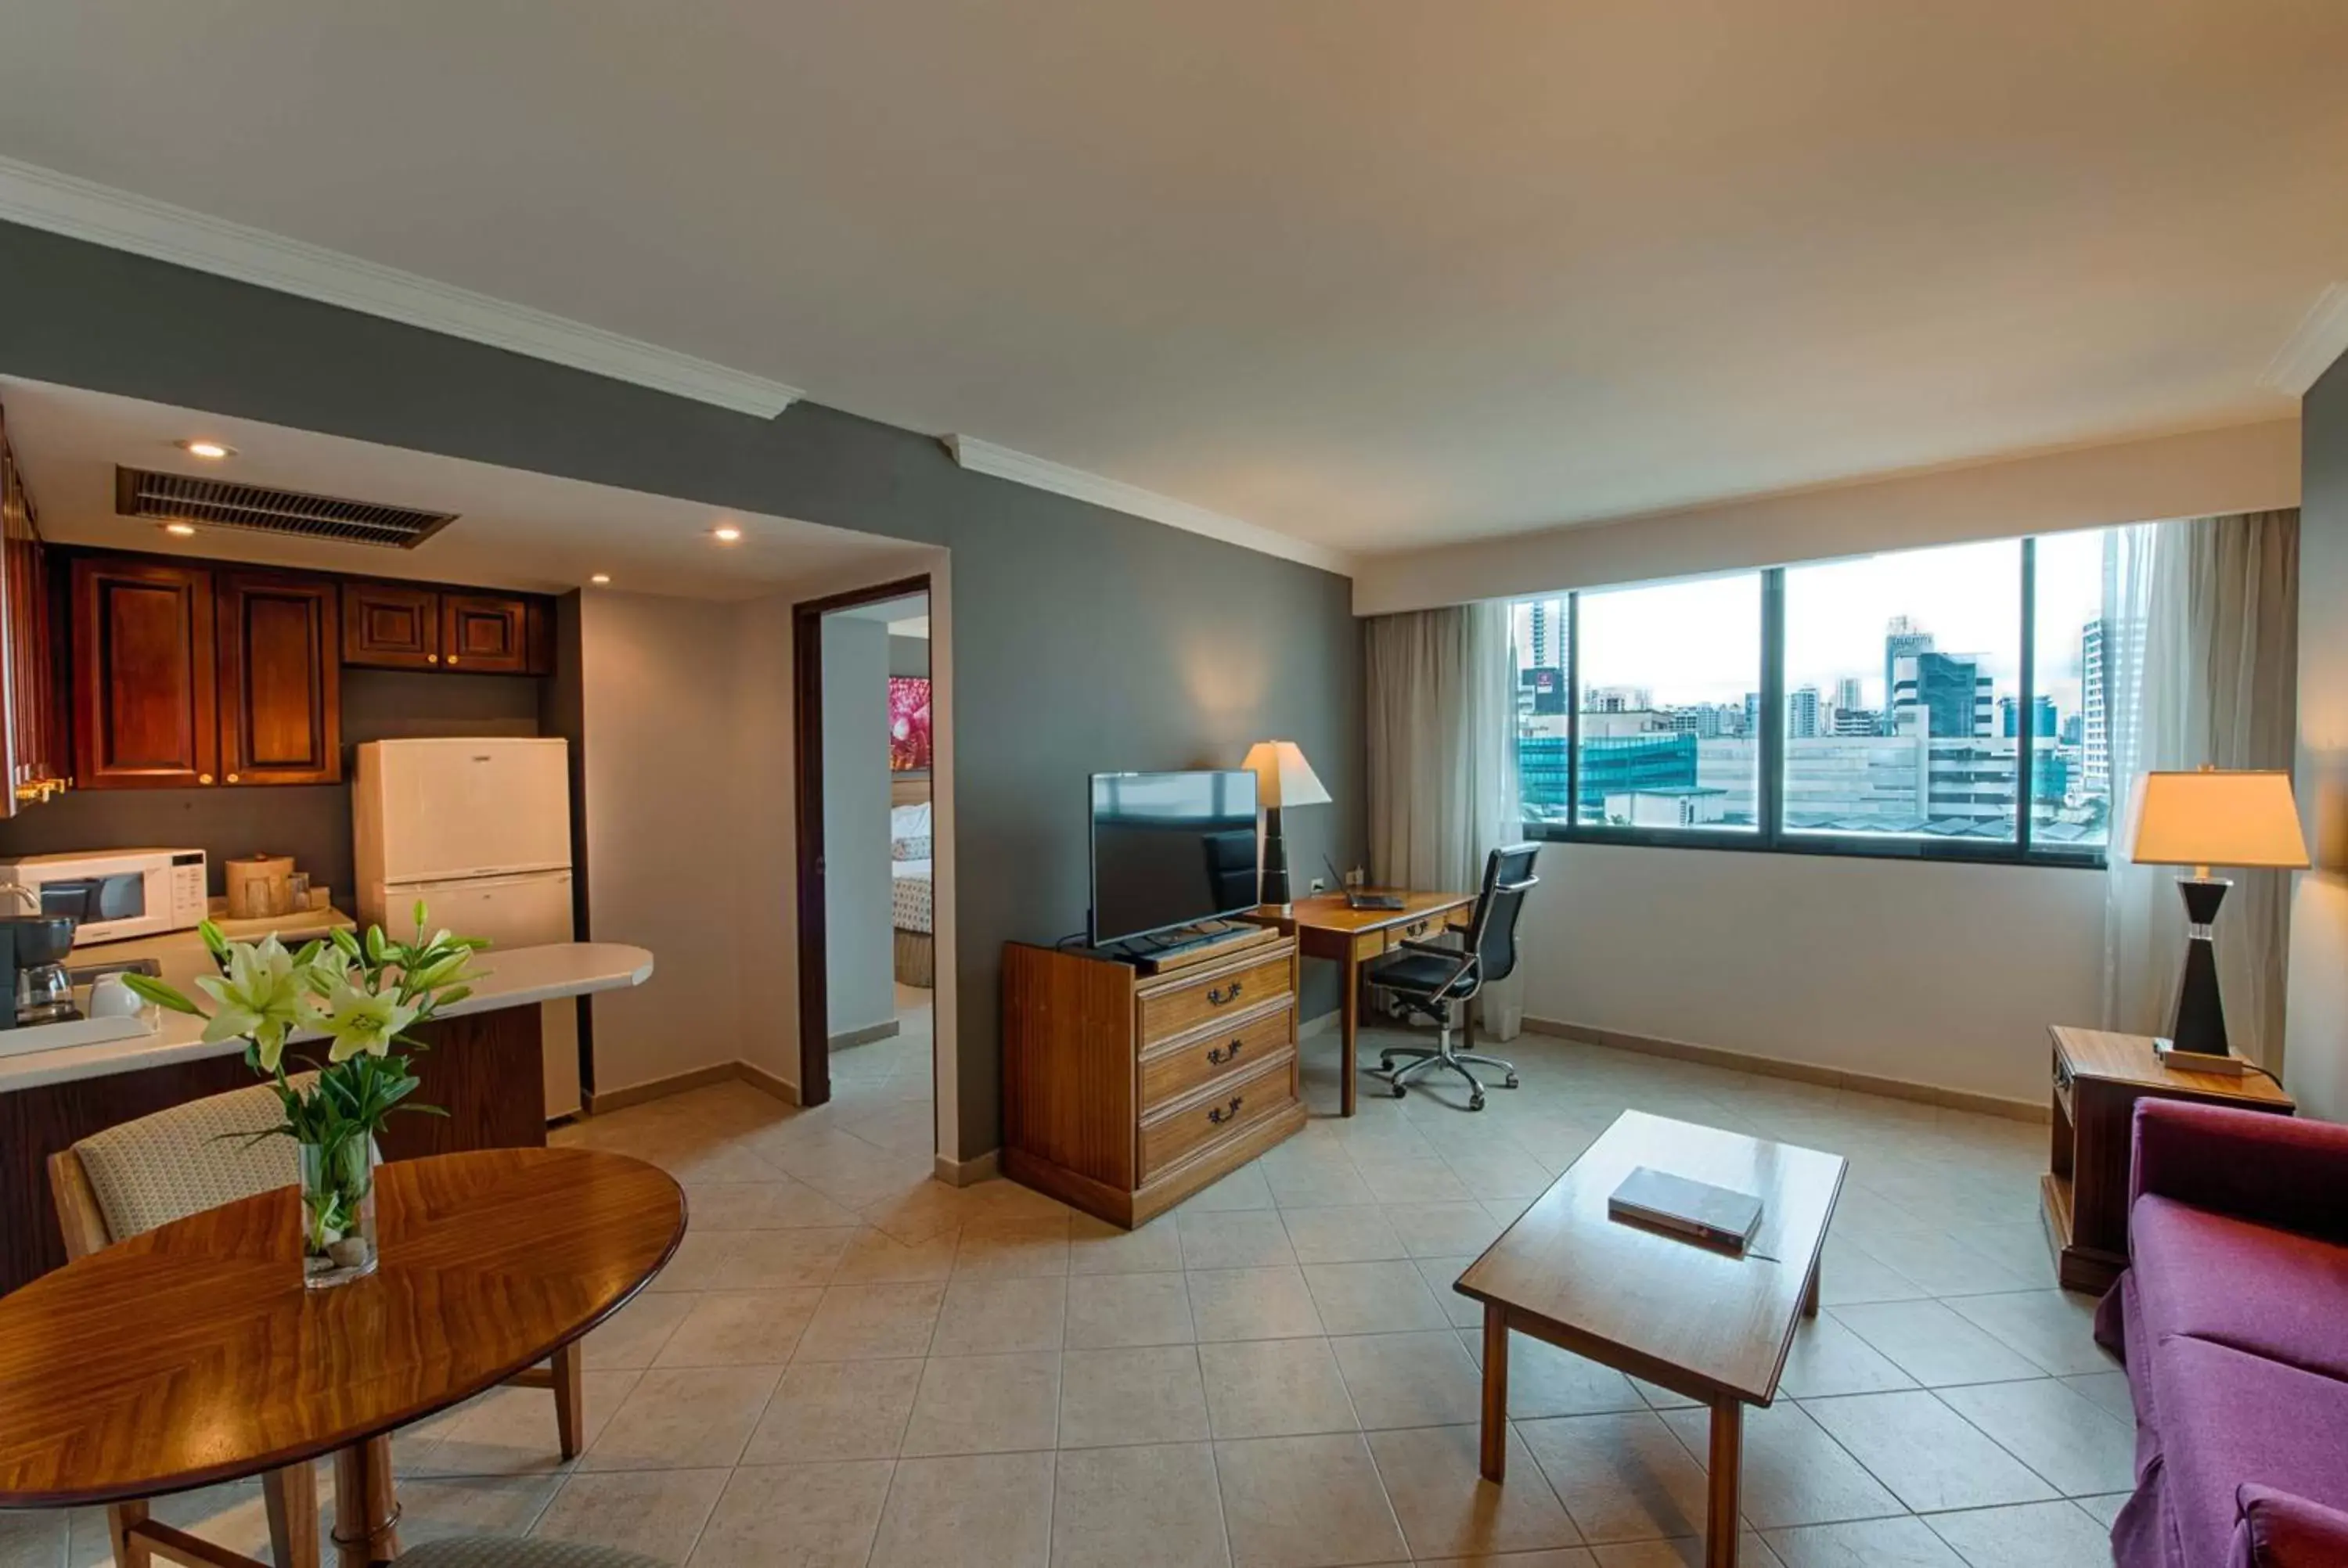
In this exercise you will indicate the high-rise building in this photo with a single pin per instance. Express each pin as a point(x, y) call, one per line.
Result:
point(1943, 696)
point(2009, 712)
point(2094, 735)
point(1855, 722)
point(2074, 729)
point(1802, 713)
point(1617, 700)
point(1546, 643)
point(1752, 713)
point(1902, 639)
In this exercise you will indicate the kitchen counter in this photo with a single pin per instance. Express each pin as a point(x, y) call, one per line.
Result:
point(516, 977)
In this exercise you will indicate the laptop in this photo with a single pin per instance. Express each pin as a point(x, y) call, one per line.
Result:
point(1357, 900)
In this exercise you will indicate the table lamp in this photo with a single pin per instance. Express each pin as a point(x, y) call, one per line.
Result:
point(1283, 778)
point(2204, 819)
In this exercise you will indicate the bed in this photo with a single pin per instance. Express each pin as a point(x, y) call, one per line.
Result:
point(910, 907)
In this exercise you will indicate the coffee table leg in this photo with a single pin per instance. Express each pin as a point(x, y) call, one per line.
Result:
point(1720, 1525)
point(1811, 1295)
point(367, 1509)
point(130, 1551)
point(1496, 1393)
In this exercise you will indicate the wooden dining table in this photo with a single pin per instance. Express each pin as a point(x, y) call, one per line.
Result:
point(193, 1354)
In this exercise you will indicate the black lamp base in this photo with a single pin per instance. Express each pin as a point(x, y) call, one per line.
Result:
point(2200, 1022)
point(1275, 861)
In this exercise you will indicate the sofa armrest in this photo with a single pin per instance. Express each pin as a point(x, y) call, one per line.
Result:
point(2284, 1530)
point(2254, 1166)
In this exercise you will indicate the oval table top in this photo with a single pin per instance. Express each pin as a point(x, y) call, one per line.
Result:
point(193, 1354)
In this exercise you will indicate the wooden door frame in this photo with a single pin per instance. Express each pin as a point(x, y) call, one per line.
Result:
point(806, 735)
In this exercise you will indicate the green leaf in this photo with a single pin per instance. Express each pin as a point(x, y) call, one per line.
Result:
point(375, 944)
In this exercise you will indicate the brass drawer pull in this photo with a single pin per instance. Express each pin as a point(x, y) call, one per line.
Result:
point(1219, 1114)
point(1221, 995)
point(1218, 1055)
point(1417, 931)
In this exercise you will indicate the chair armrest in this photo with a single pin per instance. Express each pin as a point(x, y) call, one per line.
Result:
point(2287, 1530)
point(2254, 1166)
point(1435, 949)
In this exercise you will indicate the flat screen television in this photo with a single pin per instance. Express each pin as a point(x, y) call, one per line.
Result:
point(1171, 849)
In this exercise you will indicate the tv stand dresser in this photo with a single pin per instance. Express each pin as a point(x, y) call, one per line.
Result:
point(1125, 1091)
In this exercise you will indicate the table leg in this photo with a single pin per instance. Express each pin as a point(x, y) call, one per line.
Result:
point(1721, 1522)
point(1349, 1021)
point(367, 1509)
point(569, 1401)
point(1496, 1393)
point(291, 1496)
point(130, 1551)
point(1810, 1293)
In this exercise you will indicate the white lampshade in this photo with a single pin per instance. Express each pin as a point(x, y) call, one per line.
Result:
point(1283, 778)
point(2213, 818)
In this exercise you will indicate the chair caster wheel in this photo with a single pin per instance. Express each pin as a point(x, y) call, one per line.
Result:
point(1385, 1064)
point(1510, 1082)
point(1400, 1090)
point(1477, 1103)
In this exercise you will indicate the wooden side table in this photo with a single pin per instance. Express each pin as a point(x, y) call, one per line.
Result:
point(2098, 1079)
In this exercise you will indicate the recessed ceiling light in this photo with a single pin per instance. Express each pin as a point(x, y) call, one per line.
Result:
point(180, 530)
point(600, 577)
point(211, 450)
point(726, 533)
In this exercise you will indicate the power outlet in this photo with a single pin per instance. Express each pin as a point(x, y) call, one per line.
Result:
point(1320, 884)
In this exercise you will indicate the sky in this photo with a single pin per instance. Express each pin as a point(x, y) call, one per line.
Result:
point(1699, 640)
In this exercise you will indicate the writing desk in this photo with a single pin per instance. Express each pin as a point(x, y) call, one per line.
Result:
point(1325, 928)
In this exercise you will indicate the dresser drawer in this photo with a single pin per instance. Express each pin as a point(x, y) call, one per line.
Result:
point(1237, 1102)
point(1172, 1071)
point(1180, 1010)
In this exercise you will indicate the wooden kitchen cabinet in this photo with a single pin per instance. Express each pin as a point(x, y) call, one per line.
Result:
point(280, 678)
point(145, 695)
point(391, 626)
point(487, 634)
point(31, 750)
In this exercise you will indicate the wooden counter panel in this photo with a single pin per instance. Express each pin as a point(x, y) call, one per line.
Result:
point(483, 1069)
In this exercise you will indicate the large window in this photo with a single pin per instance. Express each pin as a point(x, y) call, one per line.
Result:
point(1943, 704)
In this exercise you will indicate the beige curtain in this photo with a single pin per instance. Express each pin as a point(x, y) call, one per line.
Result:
point(2215, 678)
point(1441, 743)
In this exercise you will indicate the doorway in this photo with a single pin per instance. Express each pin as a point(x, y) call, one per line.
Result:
point(868, 954)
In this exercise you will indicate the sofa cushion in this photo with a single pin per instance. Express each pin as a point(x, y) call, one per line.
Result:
point(2281, 1531)
point(2265, 1291)
point(2231, 1419)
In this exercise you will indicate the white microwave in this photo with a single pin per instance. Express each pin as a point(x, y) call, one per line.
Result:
point(113, 893)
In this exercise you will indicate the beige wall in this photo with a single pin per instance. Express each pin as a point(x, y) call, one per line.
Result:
point(662, 835)
point(2315, 1035)
point(1944, 974)
point(2244, 468)
point(765, 856)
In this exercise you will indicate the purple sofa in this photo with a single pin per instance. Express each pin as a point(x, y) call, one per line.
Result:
point(2232, 1317)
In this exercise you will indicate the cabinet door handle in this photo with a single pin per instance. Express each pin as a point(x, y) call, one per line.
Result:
point(203, 778)
point(1220, 1055)
point(432, 659)
point(1219, 1114)
point(1221, 995)
point(232, 778)
point(452, 659)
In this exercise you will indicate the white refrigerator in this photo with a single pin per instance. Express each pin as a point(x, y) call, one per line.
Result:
point(480, 830)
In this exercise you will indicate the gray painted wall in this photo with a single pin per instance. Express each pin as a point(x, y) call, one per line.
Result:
point(909, 656)
point(2316, 1036)
point(1085, 639)
point(860, 967)
point(310, 822)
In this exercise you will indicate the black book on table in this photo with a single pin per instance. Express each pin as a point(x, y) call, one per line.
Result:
point(1716, 1216)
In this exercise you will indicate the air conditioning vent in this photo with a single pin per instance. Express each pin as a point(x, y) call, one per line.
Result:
point(181, 497)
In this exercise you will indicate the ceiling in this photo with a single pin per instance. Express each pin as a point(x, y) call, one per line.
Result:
point(513, 530)
point(1371, 273)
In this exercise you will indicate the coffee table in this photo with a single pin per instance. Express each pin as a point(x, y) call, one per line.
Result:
point(1702, 1323)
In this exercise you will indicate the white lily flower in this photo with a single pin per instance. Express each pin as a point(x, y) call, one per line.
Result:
point(361, 1022)
point(262, 995)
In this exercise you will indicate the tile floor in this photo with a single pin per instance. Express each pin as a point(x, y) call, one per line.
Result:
point(849, 1364)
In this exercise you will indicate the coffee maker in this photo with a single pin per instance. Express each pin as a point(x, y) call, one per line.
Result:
point(34, 985)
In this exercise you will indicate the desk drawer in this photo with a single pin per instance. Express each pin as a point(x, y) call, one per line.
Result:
point(1180, 1010)
point(1236, 1104)
point(1426, 928)
point(1175, 1070)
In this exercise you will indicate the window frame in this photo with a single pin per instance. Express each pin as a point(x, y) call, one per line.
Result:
point(1769, 835)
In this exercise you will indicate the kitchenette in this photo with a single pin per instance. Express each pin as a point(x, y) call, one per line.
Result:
point(287, 752)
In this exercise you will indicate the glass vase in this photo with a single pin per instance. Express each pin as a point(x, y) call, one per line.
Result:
point(338, 1240)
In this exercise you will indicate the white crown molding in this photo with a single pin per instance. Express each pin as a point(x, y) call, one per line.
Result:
point(1003, 463)
point(43, 199)
point(2320, 339)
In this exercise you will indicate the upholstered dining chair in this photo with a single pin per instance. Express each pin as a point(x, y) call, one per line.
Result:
point(133, 1178)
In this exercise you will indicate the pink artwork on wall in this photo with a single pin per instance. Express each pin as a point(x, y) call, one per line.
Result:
point(909, 724)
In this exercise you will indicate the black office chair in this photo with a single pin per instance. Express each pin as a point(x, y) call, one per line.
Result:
point(1430, 979)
